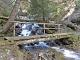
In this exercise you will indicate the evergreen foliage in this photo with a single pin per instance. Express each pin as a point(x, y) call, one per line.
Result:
point(78, 5)
point(45, 9)
point(7, 7)
point(7, 11)
point(40, 9)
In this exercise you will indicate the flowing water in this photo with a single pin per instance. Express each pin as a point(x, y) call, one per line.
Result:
point(68, 54)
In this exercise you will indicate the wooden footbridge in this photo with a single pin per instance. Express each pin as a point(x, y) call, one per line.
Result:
point(14, 41)
point(36, 38)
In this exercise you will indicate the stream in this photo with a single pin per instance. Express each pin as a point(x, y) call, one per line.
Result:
point(68, 54)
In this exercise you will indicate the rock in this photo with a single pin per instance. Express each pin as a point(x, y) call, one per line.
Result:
point(40, 54)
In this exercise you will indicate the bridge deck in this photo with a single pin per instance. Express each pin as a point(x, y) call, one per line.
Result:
point(38, 38)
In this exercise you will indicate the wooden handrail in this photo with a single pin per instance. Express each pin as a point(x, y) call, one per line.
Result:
point(34, 23)
point(44, 24)
point(37, 28)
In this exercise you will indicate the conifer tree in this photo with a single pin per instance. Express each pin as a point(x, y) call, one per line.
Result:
point(40, 9)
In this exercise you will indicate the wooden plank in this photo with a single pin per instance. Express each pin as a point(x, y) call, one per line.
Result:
point(43, 39)
point(38, 40)
point(14, 29)
point(25, 37)
point(44, 28)
point(38, 36)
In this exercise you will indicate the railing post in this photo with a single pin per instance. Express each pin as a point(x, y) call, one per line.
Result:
point(44, 28)
point(14, 29)
point(59, 28)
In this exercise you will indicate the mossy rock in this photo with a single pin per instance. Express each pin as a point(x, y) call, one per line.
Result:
point(5, 43)
point(57, 55)
point(10, 42)
point(75, 39)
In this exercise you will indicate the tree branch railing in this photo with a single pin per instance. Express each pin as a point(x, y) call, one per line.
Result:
point(44, 26)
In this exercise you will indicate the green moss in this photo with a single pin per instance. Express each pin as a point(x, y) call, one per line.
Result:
point(3, 17)
point(75, 39)
point(73, 27)
point(11, 42)
point(7, 11)
point(5, 43)
point(9, 33)
point(1, 39)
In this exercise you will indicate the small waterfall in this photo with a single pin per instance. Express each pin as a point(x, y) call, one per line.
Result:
point(30, 29)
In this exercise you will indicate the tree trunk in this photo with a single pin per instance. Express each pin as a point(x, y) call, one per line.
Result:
point(43, 17)
point(11, 17)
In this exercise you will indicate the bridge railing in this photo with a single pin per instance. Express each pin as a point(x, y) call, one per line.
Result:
point(44, 26)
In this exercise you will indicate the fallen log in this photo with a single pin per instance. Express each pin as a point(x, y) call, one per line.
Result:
point(70, 25)
point(4, 17)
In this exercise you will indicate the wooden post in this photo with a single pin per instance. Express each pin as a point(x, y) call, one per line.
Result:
point(14, 29)
point(59, 28)
point(44, 28)
point(78, 37)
